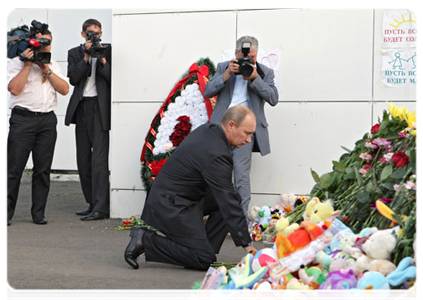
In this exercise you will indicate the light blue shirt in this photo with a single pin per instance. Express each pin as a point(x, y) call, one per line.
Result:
point(240, 95)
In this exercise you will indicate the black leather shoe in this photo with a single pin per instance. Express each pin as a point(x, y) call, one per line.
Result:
point(135, 247)
point(84, 212)
point(40, 221)
point(8, 222)
point(95, 216)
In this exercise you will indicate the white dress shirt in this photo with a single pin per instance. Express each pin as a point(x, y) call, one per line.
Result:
point(38, 94)
point(240, 95)
point(91, 88)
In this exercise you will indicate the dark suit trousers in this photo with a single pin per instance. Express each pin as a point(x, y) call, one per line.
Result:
point(166, 250)
point(92, 155)
point(30, 133)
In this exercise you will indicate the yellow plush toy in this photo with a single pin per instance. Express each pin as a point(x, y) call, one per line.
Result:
point(283, 226)
point(317, 211)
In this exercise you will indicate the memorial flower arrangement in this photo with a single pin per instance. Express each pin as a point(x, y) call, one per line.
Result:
point(382, 166)
point(182, 112)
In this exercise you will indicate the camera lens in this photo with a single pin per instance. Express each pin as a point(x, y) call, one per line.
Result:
point(246, 69)
point(42, 57)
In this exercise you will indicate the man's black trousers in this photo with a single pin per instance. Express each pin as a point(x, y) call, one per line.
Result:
point(34, 133)
point(92, 155)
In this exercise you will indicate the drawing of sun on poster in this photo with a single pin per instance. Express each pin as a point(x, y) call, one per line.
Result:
point(399, 58)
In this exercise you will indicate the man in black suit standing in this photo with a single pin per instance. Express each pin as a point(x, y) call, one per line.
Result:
point(89, 71)
point(196, 181)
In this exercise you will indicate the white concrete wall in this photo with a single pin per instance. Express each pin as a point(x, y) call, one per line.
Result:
point(330, 87)
point(330, 90)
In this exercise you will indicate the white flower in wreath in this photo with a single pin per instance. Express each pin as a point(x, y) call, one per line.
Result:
point(190, 103)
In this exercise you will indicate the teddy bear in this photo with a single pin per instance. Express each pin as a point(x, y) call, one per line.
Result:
point(283, 226)
point(375, 254)
point(253, 213)
point(317, 211)
point(287, 201)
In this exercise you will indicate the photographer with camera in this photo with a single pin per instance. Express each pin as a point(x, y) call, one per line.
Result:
point(89, 71)
point(243, 81)
point(33, 86)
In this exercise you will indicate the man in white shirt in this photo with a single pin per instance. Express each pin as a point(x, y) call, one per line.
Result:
point(33, 87)
point(89, 109)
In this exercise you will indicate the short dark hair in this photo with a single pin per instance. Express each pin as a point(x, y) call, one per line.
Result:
point(90, 22)
point(237, 114)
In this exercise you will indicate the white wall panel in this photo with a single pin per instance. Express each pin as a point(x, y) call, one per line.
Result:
point(131, 122)
point(126, 203)
point(325, 54)
point(152, 51)
point(304, 136)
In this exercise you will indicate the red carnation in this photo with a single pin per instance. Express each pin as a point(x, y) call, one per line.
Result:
point(375, 129)
point(400, 159)
point(156, 166)
point(181, 130)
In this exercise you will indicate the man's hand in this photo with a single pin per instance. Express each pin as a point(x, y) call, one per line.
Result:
point(253, 75)
point(87, 47)
point(233, 68)
point(27, 55)
point(250, 249)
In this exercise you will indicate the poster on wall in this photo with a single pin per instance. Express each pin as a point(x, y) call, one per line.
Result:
point(270, 57)
point(399, 58)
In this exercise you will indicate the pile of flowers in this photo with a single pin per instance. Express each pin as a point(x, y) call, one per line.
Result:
point(357, 230)
point(382, 166)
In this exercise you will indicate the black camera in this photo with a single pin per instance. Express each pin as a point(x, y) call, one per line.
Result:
point(21, 38)
point(245, 63)
point(96, 50)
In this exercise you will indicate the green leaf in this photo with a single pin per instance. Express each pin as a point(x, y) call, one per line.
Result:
point(386, 172)
point(346, 149)
point(370, 187)
point(315, 176)
point(363, 197)
point(358, 176)
point(339, 166)
point(326, 180)
point(398, 173)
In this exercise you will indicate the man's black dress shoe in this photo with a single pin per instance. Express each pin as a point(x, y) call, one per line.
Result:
point(40, 221)
point(135, 247)
point(95, 216)
point(84, 212)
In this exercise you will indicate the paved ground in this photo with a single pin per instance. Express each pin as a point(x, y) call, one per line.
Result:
point(71, 254)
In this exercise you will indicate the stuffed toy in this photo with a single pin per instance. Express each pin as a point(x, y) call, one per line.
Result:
point(242, 275)
point(307, 254)
point(339, 280)
point(416, 248)
point(288, 201)
point(372, 280)
point(253, 213)
point(312, 274)
point(317, 211)
point(380, 245)
point(403, 273)
point(264, 217)
point(283, 226)
point(296, 290)
point(298, 239)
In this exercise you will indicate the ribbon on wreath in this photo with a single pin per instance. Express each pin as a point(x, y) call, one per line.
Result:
point(202, 79)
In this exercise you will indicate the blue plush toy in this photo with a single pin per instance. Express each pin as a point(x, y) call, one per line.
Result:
point(242, 275)
point(403, 273)
point(373, 280)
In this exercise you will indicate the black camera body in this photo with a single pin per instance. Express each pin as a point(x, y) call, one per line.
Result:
point(245, 63)
point(21, 38)
point(96, 50)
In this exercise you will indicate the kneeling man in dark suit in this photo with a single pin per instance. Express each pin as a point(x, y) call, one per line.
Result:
point(196, 181)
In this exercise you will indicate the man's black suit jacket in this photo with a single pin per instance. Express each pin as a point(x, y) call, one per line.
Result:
point(201, 164)
point(78, 72)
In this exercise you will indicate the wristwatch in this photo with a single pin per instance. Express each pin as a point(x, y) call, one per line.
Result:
point(48, 74)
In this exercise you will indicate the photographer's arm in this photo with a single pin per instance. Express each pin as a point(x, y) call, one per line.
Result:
point(60, 85)
point(266, 88)
point(77, 68)
point(217, 82)
point(17, 84)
